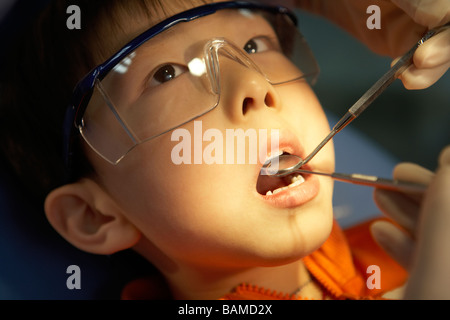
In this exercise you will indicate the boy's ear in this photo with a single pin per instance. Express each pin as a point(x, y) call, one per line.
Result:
point(86, 216)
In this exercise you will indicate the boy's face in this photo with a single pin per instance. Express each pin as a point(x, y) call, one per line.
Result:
point(218, 215)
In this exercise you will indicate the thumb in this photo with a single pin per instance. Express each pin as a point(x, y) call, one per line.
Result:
point(444, 158)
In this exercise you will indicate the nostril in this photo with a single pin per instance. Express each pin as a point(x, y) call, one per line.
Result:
point(269, 100)
point(246, 104)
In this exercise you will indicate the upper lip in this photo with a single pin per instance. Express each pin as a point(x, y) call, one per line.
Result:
point(288, 142)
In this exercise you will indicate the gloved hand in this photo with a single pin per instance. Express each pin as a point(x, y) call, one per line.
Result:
point(403, 23)
point(432, 59)
point(421, 240)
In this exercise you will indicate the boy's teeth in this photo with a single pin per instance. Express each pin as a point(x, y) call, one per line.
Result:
point(295, 181)
point(274, 155)
point(297, 178)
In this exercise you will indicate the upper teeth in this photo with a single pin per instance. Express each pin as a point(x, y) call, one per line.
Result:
point(276, 154)
point(272, 156)
point(295, 181)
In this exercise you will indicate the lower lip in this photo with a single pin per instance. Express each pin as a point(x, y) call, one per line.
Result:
point(295, 196)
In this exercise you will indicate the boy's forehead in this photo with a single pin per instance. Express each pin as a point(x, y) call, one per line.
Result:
point(123, 23)
point(218, 24)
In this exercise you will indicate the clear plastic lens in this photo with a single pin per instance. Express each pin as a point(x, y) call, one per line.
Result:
point(145, 96)
point(104, 129)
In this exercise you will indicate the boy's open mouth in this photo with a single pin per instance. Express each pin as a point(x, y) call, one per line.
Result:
point(270, 185)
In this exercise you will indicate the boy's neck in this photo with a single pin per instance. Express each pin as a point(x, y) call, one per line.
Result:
point(199, 285)
point(188, 282)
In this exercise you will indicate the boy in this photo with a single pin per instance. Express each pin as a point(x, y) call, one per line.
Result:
point(206, 227)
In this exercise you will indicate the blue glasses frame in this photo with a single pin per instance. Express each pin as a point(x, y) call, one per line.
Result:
point(84, 89)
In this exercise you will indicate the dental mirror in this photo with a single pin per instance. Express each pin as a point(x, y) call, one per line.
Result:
point(285, 164)
point(370, 95)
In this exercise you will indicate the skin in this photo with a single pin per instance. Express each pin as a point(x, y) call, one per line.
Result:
point(205, 227)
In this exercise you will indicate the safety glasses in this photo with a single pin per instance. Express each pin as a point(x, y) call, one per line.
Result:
point(171, 74)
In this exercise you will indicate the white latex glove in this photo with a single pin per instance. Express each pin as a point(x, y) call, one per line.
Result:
point(432, 59)
point(403, 23)
point(421, 241)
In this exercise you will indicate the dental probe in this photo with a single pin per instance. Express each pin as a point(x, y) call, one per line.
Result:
point(367, 98)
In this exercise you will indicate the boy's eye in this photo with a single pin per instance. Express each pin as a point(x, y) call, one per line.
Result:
point(166, 73)
point(256, 45)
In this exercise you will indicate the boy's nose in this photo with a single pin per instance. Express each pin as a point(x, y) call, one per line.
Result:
point(244, 91)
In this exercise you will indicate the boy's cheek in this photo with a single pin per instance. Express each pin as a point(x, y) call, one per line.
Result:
point(150, 180)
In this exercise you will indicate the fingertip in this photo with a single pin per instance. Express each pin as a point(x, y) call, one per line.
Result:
point(444, 158)
point(394, 241)
point(434, 52)
point(412, 172)
point(379, 230)
point(414, 78)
